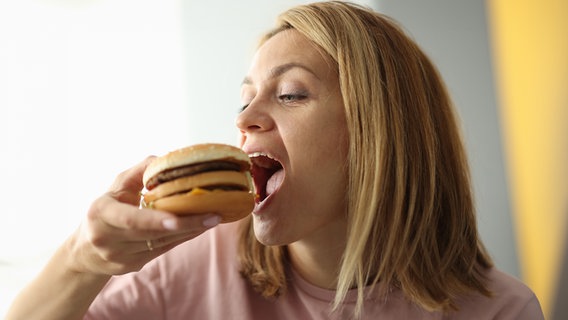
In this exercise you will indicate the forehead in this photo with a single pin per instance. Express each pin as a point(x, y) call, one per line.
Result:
point(290, 47)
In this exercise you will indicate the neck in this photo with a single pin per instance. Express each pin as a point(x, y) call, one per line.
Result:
point(317, 259)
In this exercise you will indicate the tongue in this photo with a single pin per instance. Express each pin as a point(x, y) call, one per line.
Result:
point(274, 182)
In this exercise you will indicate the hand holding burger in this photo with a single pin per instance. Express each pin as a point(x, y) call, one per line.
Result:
point(204, 178)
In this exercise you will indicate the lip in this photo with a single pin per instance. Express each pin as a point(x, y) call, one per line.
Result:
point(260, 207)
point(263, 164)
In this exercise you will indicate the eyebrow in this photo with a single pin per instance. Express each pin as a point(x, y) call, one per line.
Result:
point(280, 70)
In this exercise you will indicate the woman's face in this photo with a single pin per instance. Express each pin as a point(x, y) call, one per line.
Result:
point(293, 126)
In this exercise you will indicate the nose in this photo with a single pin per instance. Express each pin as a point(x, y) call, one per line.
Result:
point(254, 119)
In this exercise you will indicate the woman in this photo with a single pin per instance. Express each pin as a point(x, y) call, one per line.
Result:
point(365, 209)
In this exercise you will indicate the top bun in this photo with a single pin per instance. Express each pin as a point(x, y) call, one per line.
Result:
point(198, 153)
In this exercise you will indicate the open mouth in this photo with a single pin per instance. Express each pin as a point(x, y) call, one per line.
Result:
point(267, 174)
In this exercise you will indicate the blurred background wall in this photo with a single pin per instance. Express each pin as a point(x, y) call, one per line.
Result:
point(530, 50)
point(90, 87)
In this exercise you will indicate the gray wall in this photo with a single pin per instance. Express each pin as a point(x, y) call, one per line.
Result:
point(454, 34)
point(559, 306)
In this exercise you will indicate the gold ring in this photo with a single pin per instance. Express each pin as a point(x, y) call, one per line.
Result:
point(149, 245)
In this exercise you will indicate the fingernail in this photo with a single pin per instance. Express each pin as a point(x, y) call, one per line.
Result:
point(211, 221)
point(169, 224)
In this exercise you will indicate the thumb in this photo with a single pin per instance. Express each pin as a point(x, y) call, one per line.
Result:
point(128, 184)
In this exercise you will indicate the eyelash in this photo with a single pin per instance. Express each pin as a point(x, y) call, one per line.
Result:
point(285, 98)
point(292, 97)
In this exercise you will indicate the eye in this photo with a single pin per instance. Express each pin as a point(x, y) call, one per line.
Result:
point(292, 97)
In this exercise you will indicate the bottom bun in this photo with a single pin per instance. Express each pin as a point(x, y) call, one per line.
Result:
point(229, 205)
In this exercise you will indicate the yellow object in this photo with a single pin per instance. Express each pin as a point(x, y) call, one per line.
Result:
point(198, 191)
point(530, 49)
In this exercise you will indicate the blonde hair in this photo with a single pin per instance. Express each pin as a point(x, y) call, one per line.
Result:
point(411, 219)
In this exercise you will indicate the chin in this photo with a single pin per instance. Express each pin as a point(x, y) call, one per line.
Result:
point(269, 233)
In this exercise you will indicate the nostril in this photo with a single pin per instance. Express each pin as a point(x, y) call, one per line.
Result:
point(246, 121)
point(259, 122)
point(253, 127)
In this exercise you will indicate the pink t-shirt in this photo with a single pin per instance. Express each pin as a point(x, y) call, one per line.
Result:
point(200, 279)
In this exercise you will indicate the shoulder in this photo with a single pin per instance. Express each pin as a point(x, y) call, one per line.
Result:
point(510, 299)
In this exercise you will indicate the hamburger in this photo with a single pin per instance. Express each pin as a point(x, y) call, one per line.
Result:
point(203, 178)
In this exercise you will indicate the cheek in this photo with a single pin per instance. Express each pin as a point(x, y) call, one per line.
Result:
point(321, 154)
point(327, 139)
point(317, 139)
point(317, 131)
point(241, 138)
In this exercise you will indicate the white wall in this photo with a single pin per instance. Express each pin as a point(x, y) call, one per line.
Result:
point(220, 42)
point(81, 84)
point(90, 87)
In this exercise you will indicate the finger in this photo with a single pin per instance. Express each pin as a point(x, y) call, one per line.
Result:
point(157, 251)
point(188, 226)
point(165, 242)
point(171, 226)
point(128, 184)
point(128, 217)
point(139, 224)
point(128, 256)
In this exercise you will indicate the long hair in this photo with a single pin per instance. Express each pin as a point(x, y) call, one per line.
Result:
point(411, 218)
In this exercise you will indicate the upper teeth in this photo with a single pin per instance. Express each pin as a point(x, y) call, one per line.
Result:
point(259, 154)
